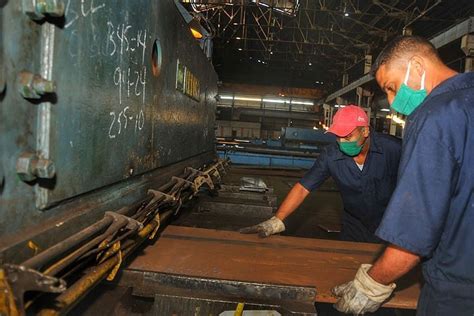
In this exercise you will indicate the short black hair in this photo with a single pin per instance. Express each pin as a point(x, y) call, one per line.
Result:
point(401, 46)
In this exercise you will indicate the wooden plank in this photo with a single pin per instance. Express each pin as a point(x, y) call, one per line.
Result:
point(280, 260)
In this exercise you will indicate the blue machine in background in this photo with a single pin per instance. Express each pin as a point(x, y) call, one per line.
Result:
point(296, 148)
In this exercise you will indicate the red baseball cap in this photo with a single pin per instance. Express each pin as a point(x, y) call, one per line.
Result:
point(347, 119)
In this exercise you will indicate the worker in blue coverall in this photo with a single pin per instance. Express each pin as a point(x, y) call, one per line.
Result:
point(364, 166)
point(430, 217)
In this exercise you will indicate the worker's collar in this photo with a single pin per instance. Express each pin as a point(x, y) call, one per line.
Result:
point(375, 147)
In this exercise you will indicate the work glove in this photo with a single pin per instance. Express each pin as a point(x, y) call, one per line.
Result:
point(269, 227)
point(363, 294)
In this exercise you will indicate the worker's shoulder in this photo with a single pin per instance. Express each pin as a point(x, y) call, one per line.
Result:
point(448, 107)
point(388, 141)
point(450, 99)
point(331, 149)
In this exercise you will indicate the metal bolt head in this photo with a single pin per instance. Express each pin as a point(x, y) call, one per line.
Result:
point(29, 8)
point(45, 169)
point(29, 167)
point(50, 7)
point(33, 86)
point(38, 9)
point(42, 86)
point(25, 166)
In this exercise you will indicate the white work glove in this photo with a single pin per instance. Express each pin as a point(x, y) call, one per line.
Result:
point(363, 294)
point(269, 227)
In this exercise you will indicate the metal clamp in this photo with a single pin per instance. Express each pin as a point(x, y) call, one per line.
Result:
point(202, 178)
point(18, 279)
point(191, 184)
point(158, 223)
point(158, 194)
point(132, 224)
point(113, 273)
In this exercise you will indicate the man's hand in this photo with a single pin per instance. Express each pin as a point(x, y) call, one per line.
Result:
point(269, 227)
point(363, 294)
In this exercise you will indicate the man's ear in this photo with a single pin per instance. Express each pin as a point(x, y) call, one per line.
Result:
point(366, 131)
point(418, 64)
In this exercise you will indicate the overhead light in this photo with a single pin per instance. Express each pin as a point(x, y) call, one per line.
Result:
point(196, 33)
point(317, 82)
point(235, 23)
point(322, 82)
point(309, 63)
point(281, 101)
point(385, 110)
point(271, 53)
point(196, 28)
point(247, 99)
point(259, 61)
point(339, 106)
point(226, 97)
point(239, 48)
point(302, 102)
point(346, 14)
point(238, 38)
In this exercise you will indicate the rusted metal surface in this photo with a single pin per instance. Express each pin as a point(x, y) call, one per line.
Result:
point(184, 294)
point(20, 280)
point(268, 198)
point(230, 209)
point(237, 206)
point(75, 215)
point(98, 250)
point(276, 260)
point(101, 100)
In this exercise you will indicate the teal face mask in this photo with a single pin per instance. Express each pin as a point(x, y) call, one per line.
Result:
point(351, 148)
point(408, 99)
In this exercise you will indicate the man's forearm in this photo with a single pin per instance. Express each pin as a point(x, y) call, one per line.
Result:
point(294, 198)
point(392, 264)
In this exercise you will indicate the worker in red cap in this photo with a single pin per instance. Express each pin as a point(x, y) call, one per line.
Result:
point(364, 166)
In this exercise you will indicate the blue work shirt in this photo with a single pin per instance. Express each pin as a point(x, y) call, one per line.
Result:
point(431, 212)
point(365, 194)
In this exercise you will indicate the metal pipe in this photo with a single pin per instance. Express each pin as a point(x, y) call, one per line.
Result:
point(67, 299)
point(64, 262)
point(44, 257)
point(112, 256)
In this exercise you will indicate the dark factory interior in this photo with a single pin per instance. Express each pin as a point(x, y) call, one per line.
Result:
point(237, 157)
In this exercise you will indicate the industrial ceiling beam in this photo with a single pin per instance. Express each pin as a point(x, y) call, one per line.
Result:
point(438, 41)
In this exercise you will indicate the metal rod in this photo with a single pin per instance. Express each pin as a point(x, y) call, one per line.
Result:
point(124, 244)
point(67, 299)
point(64, 262)
point(44, 257)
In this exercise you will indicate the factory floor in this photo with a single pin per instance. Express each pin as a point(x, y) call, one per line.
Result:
point(321, 208)
point(320, 212)
point(318, 217)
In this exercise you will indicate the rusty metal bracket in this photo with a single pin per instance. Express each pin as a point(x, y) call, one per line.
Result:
point(18, 279)
point(113, 273)
point(132, 224)
point(158, 194)
point(202, 178)
point(7, 300)
point(191, 184)
point(157, 227)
